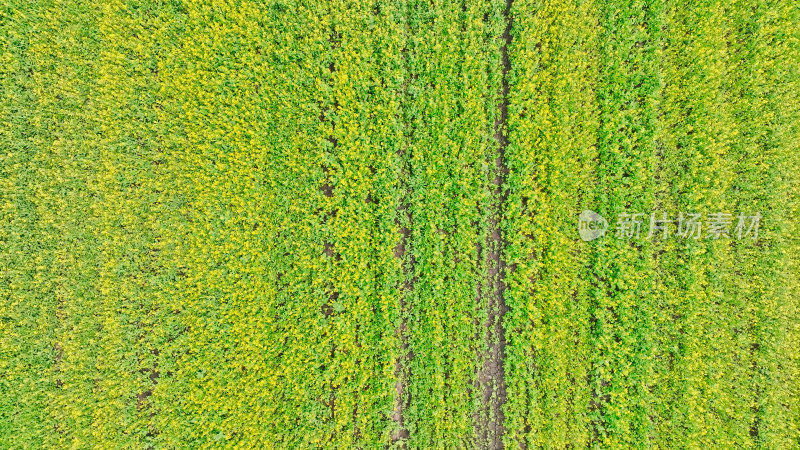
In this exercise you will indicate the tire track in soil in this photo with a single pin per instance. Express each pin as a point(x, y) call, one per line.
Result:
point(491, 377)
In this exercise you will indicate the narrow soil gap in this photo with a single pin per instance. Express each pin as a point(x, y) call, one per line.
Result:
point(58, 349)
point(401, 252)
point(332, 255)
point(142, 401)
point(403, 220)
point(492, 376)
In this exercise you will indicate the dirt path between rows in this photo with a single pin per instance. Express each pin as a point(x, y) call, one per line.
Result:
point(491, 377)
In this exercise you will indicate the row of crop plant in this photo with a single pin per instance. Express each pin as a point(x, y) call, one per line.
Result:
point(647, 107)
point(354, 224)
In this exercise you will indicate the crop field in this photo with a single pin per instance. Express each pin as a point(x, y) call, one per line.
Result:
point(407, 224)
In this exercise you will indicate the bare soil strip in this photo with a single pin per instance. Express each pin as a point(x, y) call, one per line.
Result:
point(400, 252)
point(403, 221)
point(492, 376)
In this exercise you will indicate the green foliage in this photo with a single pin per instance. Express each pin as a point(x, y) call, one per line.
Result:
point(290, 224)
point(640, 107)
